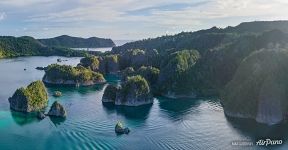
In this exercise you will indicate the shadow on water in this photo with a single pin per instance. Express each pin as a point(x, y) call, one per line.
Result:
point(257, 131)
point(57, 120)
point(178, 108)
point(139, 112)
point(23, 118)
point(71, 89)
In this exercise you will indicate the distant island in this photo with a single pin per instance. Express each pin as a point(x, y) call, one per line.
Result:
point(77, 42)
point(60, 46)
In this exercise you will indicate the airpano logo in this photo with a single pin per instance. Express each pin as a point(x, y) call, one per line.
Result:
point(269, 142)
point(261, 142)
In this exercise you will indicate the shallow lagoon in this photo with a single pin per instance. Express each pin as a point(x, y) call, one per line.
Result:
point(167, 124)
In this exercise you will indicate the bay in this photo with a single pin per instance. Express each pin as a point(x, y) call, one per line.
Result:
point(167, 124)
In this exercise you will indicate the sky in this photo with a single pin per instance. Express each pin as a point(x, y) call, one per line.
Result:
point(130, 19)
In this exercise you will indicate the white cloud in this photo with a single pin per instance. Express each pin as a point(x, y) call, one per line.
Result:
point(24, 2)
point(114, 17)
point(2, 16)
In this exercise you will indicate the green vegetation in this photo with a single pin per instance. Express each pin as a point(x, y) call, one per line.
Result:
point(57, 94)
point(174, 71)
point(56, 72)
point(150, 73)
point(91, 62)
point(221, 51)
point(136, 58)
point(136, 83)
point(76, 42)
point(110, 93)
point(57, 110)
point(262, 76)
point(109, 64)
point(114, 58)
point(36, 93)
point(32, 98)
point(203, 40)
point(28, 46)
point(134, 91)
point(105, 64)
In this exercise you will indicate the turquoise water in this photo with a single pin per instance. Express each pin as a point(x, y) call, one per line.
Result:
point(167, 124)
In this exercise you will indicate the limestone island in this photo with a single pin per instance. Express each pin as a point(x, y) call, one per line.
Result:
point(57, 110)
point(108, 64)
point(135, 91)
point(258, 90)
point(57, 94)
point(120, 129)
point(32, 98)
point(71, 76)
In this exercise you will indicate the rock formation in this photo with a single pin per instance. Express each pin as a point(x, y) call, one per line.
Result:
point(110, 93)
point(258, 89)
point(32, 98)
point(57, 110)
point(57, 94)
point(120, 129)
point(134, 92)
point(72, 76)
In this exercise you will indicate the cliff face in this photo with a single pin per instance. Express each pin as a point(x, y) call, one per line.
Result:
point(91, 62)
point(109, 64)
point(32, 98)
point(75, 76)
point(258, 89)
point(133, 92)
point(174, 73)
point(110, 94)
point(57, 110)
point(136, 58)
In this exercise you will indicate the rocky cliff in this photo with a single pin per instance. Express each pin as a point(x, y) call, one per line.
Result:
point(135, 91)
point(57, 110)
point(258, 89)
point(72, 76)
point(110, 94)
point(32, 98)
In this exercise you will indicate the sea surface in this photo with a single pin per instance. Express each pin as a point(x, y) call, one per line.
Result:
point(104, 49)
point(189, 124)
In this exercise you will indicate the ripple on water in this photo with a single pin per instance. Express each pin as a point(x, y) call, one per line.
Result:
point(91, 126)
point(87, 140)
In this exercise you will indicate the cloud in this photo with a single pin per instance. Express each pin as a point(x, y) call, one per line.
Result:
point(21, 3)
point(2, 16)
point(131, 19)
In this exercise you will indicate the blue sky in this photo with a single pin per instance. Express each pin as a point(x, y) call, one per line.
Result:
point(130, 19)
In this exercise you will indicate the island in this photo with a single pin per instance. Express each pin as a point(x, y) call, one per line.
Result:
point(120, 129)
point(57, 110)
point(71, 76)
point(28, 46)
point(107, 64)
point(77, 42)
point(30, 99)
point(232, 63)
point(110, 92)
point(258, 88)
point(135, 91)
